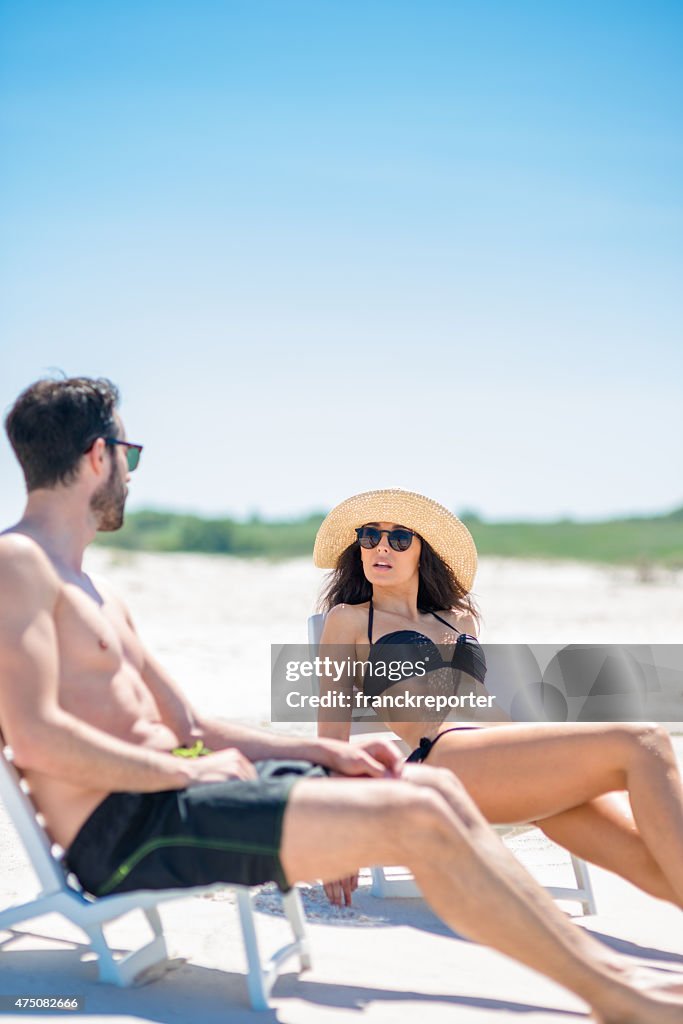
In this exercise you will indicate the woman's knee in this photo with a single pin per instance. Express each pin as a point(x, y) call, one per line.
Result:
point(656, 741)
point(649, 739)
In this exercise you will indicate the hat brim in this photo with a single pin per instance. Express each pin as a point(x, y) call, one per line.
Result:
point(443, 531)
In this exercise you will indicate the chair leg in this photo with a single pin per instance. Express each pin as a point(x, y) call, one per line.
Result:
point(154, 920)
point(256, 980)
point(583, 882)
point(124, 971)
point(379, 882)
point(386, 887)
point(295, 915)
point(107, 967)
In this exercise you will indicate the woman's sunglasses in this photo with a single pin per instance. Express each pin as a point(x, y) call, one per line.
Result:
point(399, 539)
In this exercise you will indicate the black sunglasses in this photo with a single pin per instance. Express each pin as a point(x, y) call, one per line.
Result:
point(133, 451)
point(399, 539)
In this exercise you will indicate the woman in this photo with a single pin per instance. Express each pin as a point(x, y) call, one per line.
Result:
point(609, 792)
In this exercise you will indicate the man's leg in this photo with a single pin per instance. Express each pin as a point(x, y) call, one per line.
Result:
point(428, 822)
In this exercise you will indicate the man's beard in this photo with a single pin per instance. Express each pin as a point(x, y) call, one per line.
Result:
point(108, 502)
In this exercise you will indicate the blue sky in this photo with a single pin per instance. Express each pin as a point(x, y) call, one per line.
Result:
point(330, 246)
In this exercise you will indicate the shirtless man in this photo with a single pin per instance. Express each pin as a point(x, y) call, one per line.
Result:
point(93, 719)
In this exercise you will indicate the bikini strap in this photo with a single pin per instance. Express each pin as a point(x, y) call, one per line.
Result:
point(446, 623)
point(371, 615)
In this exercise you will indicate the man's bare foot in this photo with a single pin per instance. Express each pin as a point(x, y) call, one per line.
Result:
point(652, 997)
point(656, 980)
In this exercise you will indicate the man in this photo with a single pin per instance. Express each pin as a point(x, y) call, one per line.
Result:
point(93, 720)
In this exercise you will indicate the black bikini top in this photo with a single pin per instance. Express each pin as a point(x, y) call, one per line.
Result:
point(468, 655)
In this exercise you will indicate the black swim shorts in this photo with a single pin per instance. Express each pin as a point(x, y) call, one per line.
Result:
point(214, 832)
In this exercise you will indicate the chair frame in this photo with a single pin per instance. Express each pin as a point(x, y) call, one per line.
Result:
point(61, 893)
point(385, 885)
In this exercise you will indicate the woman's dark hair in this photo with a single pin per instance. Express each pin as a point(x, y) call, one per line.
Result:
point(52, 423)
point(438, 589)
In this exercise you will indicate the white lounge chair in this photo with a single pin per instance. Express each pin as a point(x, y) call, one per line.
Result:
point(60, 893)
point(400, 883)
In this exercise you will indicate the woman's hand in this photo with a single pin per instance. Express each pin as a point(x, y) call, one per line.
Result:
point(339, 893)
point(377, 758)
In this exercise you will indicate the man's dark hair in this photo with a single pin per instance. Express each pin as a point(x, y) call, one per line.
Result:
point(53, 422)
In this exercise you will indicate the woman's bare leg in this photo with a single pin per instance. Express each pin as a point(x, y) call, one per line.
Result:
point(603, 832)
point(533, 772)
point(475, 885)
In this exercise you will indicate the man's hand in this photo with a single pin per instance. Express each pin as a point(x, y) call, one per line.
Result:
point(374, 758)
point(339, 893)
point(219, 767)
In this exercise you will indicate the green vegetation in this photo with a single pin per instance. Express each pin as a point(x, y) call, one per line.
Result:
point(645, 542)
point(168, 531)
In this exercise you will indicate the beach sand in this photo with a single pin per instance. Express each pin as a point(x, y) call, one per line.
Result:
point(211, 621)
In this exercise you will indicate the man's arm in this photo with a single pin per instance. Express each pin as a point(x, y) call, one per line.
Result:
point(257, 744)
point(376, 757)
point(217, 734)
point(43, 736)
point(373, 758)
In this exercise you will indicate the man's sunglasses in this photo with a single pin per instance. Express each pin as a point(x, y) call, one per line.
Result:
point(399, 539)
point(133, 451)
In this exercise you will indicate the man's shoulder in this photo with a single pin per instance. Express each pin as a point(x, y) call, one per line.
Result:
point(17, 548)
point(24, 565)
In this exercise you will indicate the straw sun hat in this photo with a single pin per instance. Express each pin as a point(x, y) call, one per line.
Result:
point(449, 538)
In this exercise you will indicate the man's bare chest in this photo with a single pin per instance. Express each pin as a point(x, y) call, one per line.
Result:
point(100, 656)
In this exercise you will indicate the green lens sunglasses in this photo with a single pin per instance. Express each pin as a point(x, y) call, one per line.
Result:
point(133, 451)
